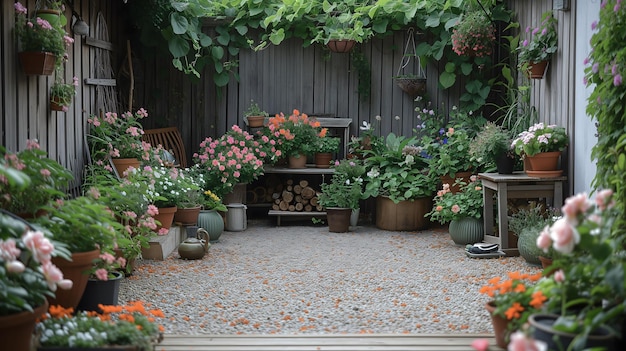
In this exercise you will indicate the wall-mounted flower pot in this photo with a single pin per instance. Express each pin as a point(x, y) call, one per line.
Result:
point(341, 46)
point(55, 105)
point(255, 121)
point(536, 70)
point(414, 87)
point(37, 62)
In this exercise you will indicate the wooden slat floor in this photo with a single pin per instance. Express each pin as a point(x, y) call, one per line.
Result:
point(347, 342)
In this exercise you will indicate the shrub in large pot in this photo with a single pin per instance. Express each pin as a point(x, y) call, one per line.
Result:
point(85, 227)
point(398, 177)
point(463, 210)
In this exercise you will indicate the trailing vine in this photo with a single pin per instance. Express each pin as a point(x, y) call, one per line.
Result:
point(364, 73)
point(256, 24)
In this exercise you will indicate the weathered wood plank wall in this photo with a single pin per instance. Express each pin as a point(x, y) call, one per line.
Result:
point(553, 96)
point(24, 100)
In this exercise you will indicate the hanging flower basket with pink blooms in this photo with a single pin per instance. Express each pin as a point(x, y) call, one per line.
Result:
point(474, 35)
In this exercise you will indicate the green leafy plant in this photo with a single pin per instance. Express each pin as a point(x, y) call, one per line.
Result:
point(468, 202)
point(327, 144)
point(48, 179)
point(125, 325)
point(118, 136)
point(63, 93)
point(451, 155)
point(37, 34)
point(490, 143)
point(540, 138)
point(543, 42)
point(343, 194)
point(398, 170)
point(255, 110)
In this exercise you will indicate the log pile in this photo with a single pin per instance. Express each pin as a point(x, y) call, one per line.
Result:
point(292, 195)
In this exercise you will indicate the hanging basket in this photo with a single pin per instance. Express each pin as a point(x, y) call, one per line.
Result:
point(414, 87)
point(37, 63)
point(341, 46)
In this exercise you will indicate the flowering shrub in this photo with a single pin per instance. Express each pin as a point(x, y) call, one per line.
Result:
point(517, 297)
point(62, 93)
point(474, 35)
point(543, 41)
point(233, 158)
point(104, 266)
point(589, 287)
point(297, 134)
point(27, 275)
point(37, 34)
point(466, 203)
point(131, 325)
point(118, 136)
point(451, 155)
point(540, 138)
point(47, 177)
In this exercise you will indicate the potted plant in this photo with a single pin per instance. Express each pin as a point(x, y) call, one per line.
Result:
point(324, 149)
point(85, 227)
point(297, 136)
point(189, 184)
point(339, 198)
point(209, 218)
point(512, 301)
point(491, 148)
point(340, 29)
point(451, 157)
point(536, 51)
point(61, 95)
point(42, 43)
point(463, 210)
point(474, 35)
point(232, 159)
point(254, 115)
point(587, 298)
point(542, 145)
point(131, 325)
point(398, 178)
point(27, 273)
point(103, 286)
point(526, 223)
point(47, 178)
point(350, 172)
point(118, 138)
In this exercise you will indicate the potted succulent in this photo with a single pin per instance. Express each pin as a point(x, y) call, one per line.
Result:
point(535, 52)
point(324, 149)
point(61, 95)
point(254, 115)
point(463, 210)
point(491, 148)
point(131, 325)
point(398, 178)
point(42, 42)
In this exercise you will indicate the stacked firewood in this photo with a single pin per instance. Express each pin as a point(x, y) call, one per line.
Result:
point(292, 195)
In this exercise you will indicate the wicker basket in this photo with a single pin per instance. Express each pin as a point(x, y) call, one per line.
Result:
point(413, 86)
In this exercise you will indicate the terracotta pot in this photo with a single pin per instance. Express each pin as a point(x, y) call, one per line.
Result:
point(256, 121)
point(536, 70)
point(187, 216)
point(37, 63)
point(341, 46)
point(338, 219)
point(464, 176)
point(545, 161)
point(122, 164)
point(165, 217)
point(322, 159)
point(297, 162)
point(16, 330)
point(76, 271)
point(499, 326)
point(403, 216)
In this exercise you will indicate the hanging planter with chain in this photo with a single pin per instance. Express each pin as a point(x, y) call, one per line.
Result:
point(412, 84)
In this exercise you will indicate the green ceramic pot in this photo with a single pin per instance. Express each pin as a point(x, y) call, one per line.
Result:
point(468, 230)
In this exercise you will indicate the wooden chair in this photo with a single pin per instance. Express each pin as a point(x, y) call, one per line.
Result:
point(169, 138)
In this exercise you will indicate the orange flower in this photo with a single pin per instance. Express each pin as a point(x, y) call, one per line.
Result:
point(58, 311)
point(538, 298)
point(323, 132)
point(515, 311)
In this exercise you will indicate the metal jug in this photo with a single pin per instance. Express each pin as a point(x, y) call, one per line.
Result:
point(195, 248)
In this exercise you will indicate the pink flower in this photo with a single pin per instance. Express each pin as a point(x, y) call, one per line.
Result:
point(480, 344)
point(52, 274)
point(152, 210)
point(39, 245)
point(603, 199)
point(564, 235)
point(574, 206)
point(521, 342)
point(15, 267)
point(32, 144)
point(45, 172)
point(559, 276)
point(543, 240)
point(65, 284)
point(20, 9)
point(455, 208)
point(102, 274)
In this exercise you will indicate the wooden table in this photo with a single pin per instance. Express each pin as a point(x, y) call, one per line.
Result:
point(513, 186)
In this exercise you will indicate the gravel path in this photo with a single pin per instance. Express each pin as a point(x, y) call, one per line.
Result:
point(305, 280)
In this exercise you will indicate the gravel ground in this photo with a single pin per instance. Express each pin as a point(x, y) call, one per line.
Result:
point(305, 280)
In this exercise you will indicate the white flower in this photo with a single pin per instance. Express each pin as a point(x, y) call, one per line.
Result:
point(397, 118)
point(373, 173)
point(378, 118)
point(365, 126)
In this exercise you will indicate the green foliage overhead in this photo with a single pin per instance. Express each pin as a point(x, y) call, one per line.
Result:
point(258, 23)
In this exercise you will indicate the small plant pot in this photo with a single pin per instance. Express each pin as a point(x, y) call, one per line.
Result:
point(536, 70)
point(341, 46)
point(414, 87)
point(255, 121)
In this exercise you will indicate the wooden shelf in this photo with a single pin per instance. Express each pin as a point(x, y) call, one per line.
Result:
point(280, 214)
point(309, 170)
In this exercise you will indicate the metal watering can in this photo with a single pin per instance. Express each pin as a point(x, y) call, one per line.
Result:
point(195, 248)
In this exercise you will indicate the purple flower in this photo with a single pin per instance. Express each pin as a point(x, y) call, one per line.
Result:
point(544, 31)
point(594, 25)
point(441, 131)
point(595, 68)
point(585, 81)
point(535, 31)
point(616, 8)
point(525, 42)
point(19, 8)
point(614, 69)
point(603, 4)
point(617, 80)
point(586, 61)
point(527, 29)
